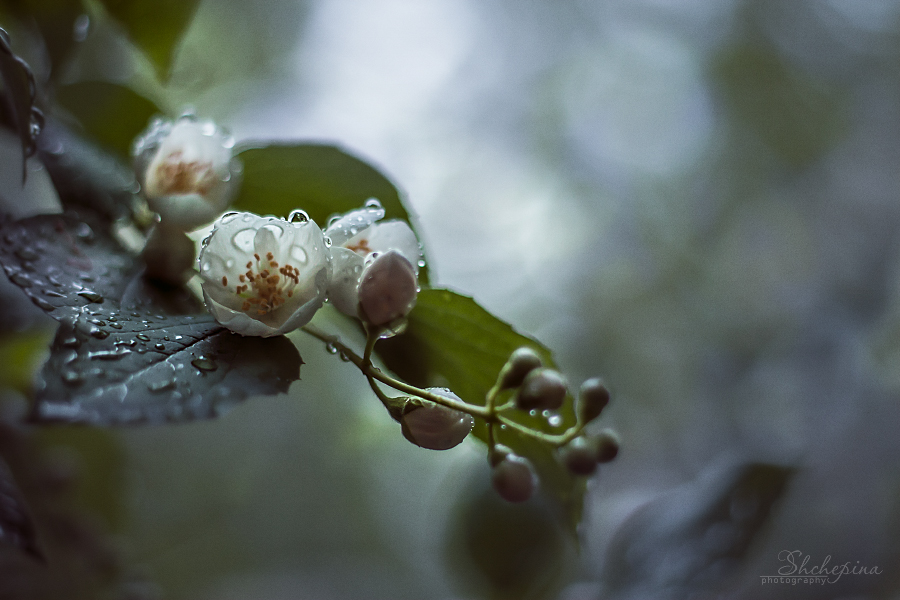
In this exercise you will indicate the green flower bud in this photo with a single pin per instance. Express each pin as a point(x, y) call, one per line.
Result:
point(580, 456)
point(542, 389)
point(514, 479)
point(607, 445)
point(592, 399)
point(521, 362)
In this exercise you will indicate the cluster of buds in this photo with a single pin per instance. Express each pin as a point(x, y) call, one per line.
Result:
point(265, 276)
point(540, 388)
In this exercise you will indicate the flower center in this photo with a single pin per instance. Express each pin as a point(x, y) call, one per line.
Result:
point(176, 176)
point(265, 286)
point(361, 247)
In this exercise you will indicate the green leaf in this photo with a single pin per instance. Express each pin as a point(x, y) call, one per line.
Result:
point(320, 179)
point(451, 341)
point(19, 87)
point(92, 103)
point(154, 26)
point(55, 20)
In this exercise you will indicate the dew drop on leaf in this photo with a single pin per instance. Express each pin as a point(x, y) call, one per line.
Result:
point(204, 363)
point(91, 296)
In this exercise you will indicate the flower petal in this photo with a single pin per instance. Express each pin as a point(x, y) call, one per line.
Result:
point(342, 289)
point(352, 223)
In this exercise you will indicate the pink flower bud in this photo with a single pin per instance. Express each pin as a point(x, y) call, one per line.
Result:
point(436, 427)
point(514, 479)
point(387, 289)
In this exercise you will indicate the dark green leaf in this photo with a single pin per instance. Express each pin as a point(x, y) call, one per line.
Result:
point(690, 542)
point(320, 179)
point(154, 26)
point(19, 92)
point(65, 262)
point(16, 527)
point(110, 367)
point(92, 103)
point(451, 341)
point(55, 20)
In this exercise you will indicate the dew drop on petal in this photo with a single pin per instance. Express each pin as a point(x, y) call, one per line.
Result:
point(298, 216)
point(206, 266)
point(373, 203)
point(208, 128)
point(276, 230)
point(327, 242)
point(228, 217)
point(229, 264)
point(243, 240)
point(299, 254)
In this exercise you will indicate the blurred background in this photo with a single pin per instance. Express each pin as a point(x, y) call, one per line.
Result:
point(698, 201)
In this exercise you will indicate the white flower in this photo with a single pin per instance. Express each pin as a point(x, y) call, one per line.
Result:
point(358, 235)
point(186, 170)
point(264, 276)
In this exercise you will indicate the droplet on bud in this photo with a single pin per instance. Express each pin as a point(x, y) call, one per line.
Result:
point(434, 426)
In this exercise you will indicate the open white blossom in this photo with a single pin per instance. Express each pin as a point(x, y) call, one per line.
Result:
point(264, 276)
point(355, 237)
point(186, 170)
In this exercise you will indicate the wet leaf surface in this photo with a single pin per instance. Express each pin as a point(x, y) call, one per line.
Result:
point(65, 262)
point(109, 367)
point(690, 542)
point(16, 527)
point(452, 341)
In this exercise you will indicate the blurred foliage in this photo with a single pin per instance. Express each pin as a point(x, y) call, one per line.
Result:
point(92, 103)
point(155, 27)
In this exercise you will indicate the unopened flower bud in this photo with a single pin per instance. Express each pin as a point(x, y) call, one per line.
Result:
point(186, 170)
point(514, 479)
point(521, 362)
point(543, 389)
point(592, 399)
point(607, 445)
point(169, 255)
point(387, 289)
point(433, 426)
point(580, 455)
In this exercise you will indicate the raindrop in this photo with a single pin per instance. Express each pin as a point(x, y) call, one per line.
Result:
point(243, 240)
point(159, 385)
point(98, 322)
point(26, 253)
point(100, 334)
point(42, 304)
point(143, 337)
point(87, 278)
point(395, 328)
point(554, 420)
point(299, 254)
point(373, 203)
point(345, 357)
point(331, 348)
point(532, 413)
point(208, 128)
point(71, 342)
point(204, 363)
point(179, 337)
point(116, 325)
point(84, 233)
point(54, 281)
point(229, 264)
point(72, 377)
point(421, 263)
point(332, 220)
point(276, 230)
point(52, 294)
point(159, 347)
point(21, 280)
point(298, 216)
point(91, 296)
point(206, 266)
point(228, 141)
point(228, 217)
point(327, 242)
point(110, 354)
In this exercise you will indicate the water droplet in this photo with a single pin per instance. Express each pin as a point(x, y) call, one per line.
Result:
point(81, 27)
point(84, 233)
point(332, 220)
point(159, 347)
point(143, 337)
point(100, 334)
point(344, 357)
point(331, 348)
point(228, 217)
point(87, 278)
point(71, 342)
point(179, 337)
point(208, 128)
point(276, 230)
point(26, 253)
point(91, 296)
point(229, 264)
point(54, 281)
point(72, 377)
point(158, 385)
point(554, 420)
point(328, 242)
point(68, 356)
point(421, 263)
point(206, 266)
point(298, 216)
point(109, 354)
point(21, 280)
point(532, 413)
point(97, 322)
point(52, 294)
point(243, 240)
point(373, 203)
point(299, 254)
point(42, 304)
point(228, 141)
point(116, 325)
point(204, 363)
